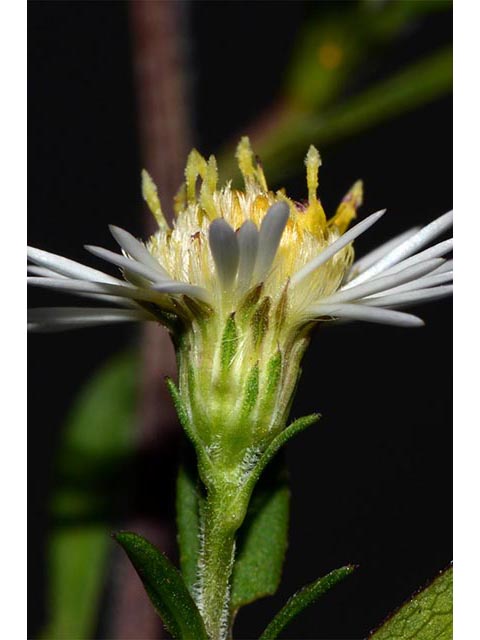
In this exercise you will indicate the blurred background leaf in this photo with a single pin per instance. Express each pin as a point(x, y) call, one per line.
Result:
point(287, 144)
point(96, 448)
point(320, 103)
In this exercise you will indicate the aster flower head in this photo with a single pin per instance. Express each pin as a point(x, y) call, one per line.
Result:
point(240, 278)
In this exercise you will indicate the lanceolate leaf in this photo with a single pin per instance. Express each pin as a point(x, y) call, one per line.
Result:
point(427, 616)
point(96, 444)
point(302, 599)
point(188, 524)
point(262, 541)
point(165, 588)
point(277, 443)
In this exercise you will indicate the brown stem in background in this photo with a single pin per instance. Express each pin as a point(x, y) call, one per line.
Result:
point(159, 65)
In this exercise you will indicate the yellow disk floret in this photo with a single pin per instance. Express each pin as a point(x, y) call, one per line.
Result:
point(184, 250)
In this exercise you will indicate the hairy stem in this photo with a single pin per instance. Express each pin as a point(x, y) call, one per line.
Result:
point(220, 522)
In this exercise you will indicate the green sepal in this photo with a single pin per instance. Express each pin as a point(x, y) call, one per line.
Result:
point(281, 309)
point(229, 343)
point(250, 394)
point(274, 372)
point(181, 410)
point(249, 302)
point(196, 308)
point(182, 413)
point(262, 541)
point(260, 320)
point(188, 521)
point(428, 615)
point(302, 599)
point(165, 588)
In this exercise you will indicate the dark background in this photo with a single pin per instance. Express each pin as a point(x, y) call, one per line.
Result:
point(372, 482)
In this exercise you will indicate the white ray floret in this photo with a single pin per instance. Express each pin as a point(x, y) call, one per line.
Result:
point(414, 296)
point(137, 250)
point(446, 266)
point(133, 266)
point(63, 318)
point(431, 280)
point(436, 251)
point(248, 245)
point(366, 261)
point(69, 285)
point(111, 293)
point(370, 314)
point(66, 267)
point(225, 251)
point(381, 284)
point(335, 247)
point(270, 234)
point(407, 248)
point(42, 271)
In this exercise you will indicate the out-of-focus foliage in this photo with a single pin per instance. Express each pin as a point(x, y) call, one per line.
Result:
point(319, 102)
point(409, 88)
point(97, 444)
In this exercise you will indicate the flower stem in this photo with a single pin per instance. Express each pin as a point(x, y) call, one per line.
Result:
point(220, 522)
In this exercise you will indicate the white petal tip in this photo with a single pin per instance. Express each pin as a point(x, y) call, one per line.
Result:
point(279, 208)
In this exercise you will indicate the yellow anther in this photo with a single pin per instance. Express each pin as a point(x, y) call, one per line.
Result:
point(314, 218)
point(180, 199)
point(211, 174)
point(313, 163)
point(262, 181)
point(208, 188)
point(150, 195)
point(347, 210)
point(244, 156)
point(196, 166)
point(249, 165)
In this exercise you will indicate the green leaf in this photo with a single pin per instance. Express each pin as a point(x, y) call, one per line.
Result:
point(262, 541)
point(277, 443)
point(96, 445)
point(188, 521)
point(302, 599)
point(165, 587)
point(427, 616)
